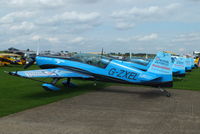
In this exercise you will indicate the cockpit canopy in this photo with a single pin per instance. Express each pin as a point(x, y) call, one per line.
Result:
point(92, 59)
point(141, 61)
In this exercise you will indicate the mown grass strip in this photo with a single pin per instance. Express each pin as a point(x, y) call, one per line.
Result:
point(17, 94)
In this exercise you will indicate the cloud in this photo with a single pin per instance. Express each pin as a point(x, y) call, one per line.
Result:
point(53, 39)
point(75, 17)
point(124, 25)
point(139, 38)
point(87, 24)
point(48, 3)
point(23, 26)
point(145, 12)
point(36, 37)
point(73, 21)
point(45, 38)
point(16, 16)
point(135, 14)
point(181, 49)
point(194, 0)
point(86, 1)
point(68, 21)
point(152, 36)
point(187, 37)
point(77, 40)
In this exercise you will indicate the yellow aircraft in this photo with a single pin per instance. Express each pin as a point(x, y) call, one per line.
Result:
point(9, 58)
point(197, 62)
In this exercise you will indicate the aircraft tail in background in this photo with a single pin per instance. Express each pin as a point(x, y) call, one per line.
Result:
point(162, 67)
point(178, 66)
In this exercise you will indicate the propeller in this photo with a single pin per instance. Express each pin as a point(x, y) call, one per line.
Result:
point(31, 62)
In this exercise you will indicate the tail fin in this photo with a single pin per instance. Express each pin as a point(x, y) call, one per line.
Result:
point(188, 66)
point(178, 67)
point(179, 63)
point(162, 64)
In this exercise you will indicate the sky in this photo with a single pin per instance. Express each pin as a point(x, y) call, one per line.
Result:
point(139, 26)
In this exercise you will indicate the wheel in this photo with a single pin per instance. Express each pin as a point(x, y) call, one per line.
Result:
point(50, 87)
point(168, 94)
point(67, 84)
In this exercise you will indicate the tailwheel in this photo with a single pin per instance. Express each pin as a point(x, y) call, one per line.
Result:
point(168, 94)
point(67, 83)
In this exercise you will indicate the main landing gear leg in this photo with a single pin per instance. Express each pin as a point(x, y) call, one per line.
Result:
point(95, 83)
point(55, 80)
point(51, 86)
point(168, 94)
point(68, 83)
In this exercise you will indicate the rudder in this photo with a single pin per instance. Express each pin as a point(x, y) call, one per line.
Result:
point(161, 64)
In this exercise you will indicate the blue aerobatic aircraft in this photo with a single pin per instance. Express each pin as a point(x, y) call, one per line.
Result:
point(98, 67)
point(188, 64)
point(178, 64)
point(192, 62)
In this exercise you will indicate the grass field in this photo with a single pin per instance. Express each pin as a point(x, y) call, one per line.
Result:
point(190, 82)
point(17, 94)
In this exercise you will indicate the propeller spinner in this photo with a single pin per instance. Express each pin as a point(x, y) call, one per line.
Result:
point(31, 62)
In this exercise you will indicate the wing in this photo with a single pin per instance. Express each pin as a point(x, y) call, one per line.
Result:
point(50, 73)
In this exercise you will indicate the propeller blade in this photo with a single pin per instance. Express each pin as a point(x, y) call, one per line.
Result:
point(31, 62)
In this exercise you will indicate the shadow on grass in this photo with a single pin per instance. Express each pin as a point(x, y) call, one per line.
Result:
point(68, 92)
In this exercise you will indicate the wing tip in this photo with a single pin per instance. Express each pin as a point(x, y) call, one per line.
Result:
point(11, 73)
